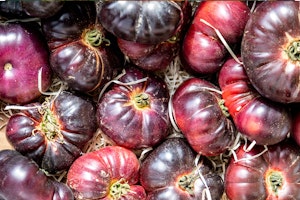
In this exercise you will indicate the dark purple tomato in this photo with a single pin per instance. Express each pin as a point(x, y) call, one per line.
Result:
point(149, 22)
point(272, 175)
point(12, 9)
point(258, 118)
point(110, 173)
point(198, 112)
point(21, 179)
point(41, 9)
point(134, 112)
point(55, 132)
point(270, 50)
point(170, 172)
point(23, 54)
point(82, 55)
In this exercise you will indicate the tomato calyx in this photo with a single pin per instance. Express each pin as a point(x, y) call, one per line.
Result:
point(186, 182)
point(95, 37)
point(274, 181)
point(118, 189)
point(224, 109)
point(293, 50)
point(141, 100)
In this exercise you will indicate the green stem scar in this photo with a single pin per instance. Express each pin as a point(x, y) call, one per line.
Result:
point(95, 38)
point(118, 189)
point(274, 181)
point(142, 100)
point(293, 51)
point(8, 66)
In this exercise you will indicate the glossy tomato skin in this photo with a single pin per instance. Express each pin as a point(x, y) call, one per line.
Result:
point(53, 137)
point(135, 115)
point(266, 49)
point(21, 179)
point(164, 172)
point(252, 178)
point(41, 9)
point(82, 55)
point(259, 119)
point(199, 116)
point(147, 22)
point(24, 52)
point(93, 175)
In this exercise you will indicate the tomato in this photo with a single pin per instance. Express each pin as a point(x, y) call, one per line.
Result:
point(82, 55)
point(198, 114)
point(19, 71)
point(270, 50)
point(272, 175)
point(134, 113)
point(147, 22)
point(170, 172)
point(21, 179)
point(110, 173)
point(255, 116)
point(54, 133)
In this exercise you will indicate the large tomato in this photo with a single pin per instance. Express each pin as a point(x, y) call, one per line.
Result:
point(134, 112)
point(270, 50)
point(198, 112)
point(82, 54)
point(170, 172)
point(272, 175)
point(54, 133)
point(110, 173)
point(255, 116)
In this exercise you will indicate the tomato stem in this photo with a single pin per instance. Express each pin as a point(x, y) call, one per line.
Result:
point(95, 38)
point(186, 182)
point(274, 181)
point(293, 51)
point(142, 100)
point(118, 189)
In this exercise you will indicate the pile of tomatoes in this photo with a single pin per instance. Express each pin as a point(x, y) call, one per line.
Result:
point(150, 100)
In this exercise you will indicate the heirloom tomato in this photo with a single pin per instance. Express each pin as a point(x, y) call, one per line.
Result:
point(270, 50)
point(255, 116)
point(82, 55)
point(55, 132)
point(109, 173)
point(148, 22)
point(170, 171)
point(22, 179)
point(198, 111)
point(272, 175)
point(24, 54)
point(134, 111)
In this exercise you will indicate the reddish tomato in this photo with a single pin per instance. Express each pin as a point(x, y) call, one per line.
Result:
point(198, 114)
point(270, 50)
point(272, 175)
point(256, 117)
point(54, 133)
point(170, 172)
point(110, 173)
point(135, 114)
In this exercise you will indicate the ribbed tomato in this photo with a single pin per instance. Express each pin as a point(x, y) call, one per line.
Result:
point(258, 118)
point(55, 132)
point(198, 112)
point(110, 173)
point(272, 175)
point(134, 112)
point(270, 50)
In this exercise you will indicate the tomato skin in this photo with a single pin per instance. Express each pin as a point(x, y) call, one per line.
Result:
point(269, 33)
point(105, 166)
point(21, 179)
point(19, 67)
point(146, 22)
point(199, 116)
point(54, 151)
point(128, 125)
point(248, 179)
point(162, 171)
point(255, 116)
